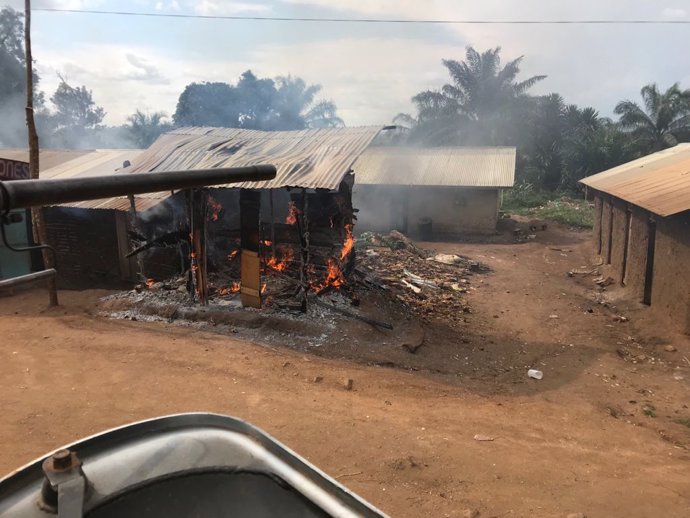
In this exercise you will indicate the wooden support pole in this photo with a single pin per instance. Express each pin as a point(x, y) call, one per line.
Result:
point(37, 219)
point(197, 207)
point(273, 226)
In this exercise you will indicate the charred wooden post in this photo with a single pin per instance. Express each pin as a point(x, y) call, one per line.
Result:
point(250, 262)
point(197, 209)
point(273, 225)
point(135, 227)
point(304, 253)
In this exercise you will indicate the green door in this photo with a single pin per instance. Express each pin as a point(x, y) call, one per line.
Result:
point(13, 264)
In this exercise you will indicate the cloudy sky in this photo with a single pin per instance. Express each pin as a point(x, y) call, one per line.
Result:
point(369, 70)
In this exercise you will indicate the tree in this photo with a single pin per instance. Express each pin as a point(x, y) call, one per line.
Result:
point(255, 103)
point(479, 105)
point(76, 117)
point(142, 128)
point(13, 79)
point(664, 121)
point(296, 106)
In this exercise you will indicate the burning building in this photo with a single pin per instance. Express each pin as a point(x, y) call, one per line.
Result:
point(440, 192)
point(294, 232)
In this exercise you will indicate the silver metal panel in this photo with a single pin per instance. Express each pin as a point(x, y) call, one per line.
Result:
point(443, 166)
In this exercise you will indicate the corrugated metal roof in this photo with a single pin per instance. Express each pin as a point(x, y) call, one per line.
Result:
point(78, 163)
point(659, 182)
point(97, 162)
point(312, 158)
point(47, 157)
point(442, 166)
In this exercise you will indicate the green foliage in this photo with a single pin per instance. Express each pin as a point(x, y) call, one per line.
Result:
point(143, 129)
point(285, 103)
point(13, 79)
point(524, 200)
point(664, 121)
point(76, 119)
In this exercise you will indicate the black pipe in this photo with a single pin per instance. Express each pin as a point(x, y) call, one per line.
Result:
point(31, 193)
point(4, 220)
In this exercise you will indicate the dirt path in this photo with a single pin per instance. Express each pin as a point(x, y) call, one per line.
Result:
point(576, 441)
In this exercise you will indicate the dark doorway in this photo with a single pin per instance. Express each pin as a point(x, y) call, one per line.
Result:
point(649, 268)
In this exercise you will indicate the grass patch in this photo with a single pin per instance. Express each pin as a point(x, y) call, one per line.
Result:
point(579, 214)
point(685, 421)
point(649, 410)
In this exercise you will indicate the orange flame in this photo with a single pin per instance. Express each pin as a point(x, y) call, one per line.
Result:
point(230, 289)
point(263, 288)
point(266, 242)
point(349, 242)
point(214, 208)
point(334, 277)
point(150, 282)
point(232, 255)
point(293, 212)
point(287, 256)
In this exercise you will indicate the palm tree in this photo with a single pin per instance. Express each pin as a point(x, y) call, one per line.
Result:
point(665, 119)
point(481, 99)
point(297, 107)
point(144, 128)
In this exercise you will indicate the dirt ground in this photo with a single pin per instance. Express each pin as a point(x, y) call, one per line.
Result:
point(599, 434)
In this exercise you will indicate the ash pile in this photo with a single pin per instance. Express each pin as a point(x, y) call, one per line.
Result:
point(429, 285)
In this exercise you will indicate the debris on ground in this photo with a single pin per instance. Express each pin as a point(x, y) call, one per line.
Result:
point(483, 438)
point(603, 281)
point(430, 285)
point(670, 348)
point(348, 383)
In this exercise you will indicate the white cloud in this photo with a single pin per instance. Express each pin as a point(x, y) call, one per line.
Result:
point(674, 13)
point(221, 7)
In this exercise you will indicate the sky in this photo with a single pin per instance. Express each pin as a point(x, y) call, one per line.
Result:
point(369, 70)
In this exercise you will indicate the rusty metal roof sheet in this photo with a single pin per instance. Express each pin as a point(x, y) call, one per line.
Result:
point(311, 158)
point(659, 182)
point(47, 157)
point(81, 163)
point(441, 166)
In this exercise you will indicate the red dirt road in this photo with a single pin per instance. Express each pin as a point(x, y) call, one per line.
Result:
point(576, 441)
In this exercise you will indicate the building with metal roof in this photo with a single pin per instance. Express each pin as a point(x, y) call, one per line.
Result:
point(642, 230)
point(311, 158)
point(659, 183)
point(440, 192)
point(442, 166)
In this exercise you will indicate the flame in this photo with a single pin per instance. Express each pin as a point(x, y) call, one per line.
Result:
point(230, 289)
point(293, 212)
point(266, 242)
point(287, 256)
point(214, 208)
point(232, 255)
point(334, 277)
point(150, 282)
point(263, 288)
point(349, 242)
point(192, 256)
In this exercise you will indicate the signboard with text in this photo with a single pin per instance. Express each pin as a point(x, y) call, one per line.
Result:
point(13, 170)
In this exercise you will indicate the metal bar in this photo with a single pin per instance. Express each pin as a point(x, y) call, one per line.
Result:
point(28, 278)
point(31, 193)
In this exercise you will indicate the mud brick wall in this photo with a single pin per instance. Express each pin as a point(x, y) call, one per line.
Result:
point(671, 284)
point(637, 253)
